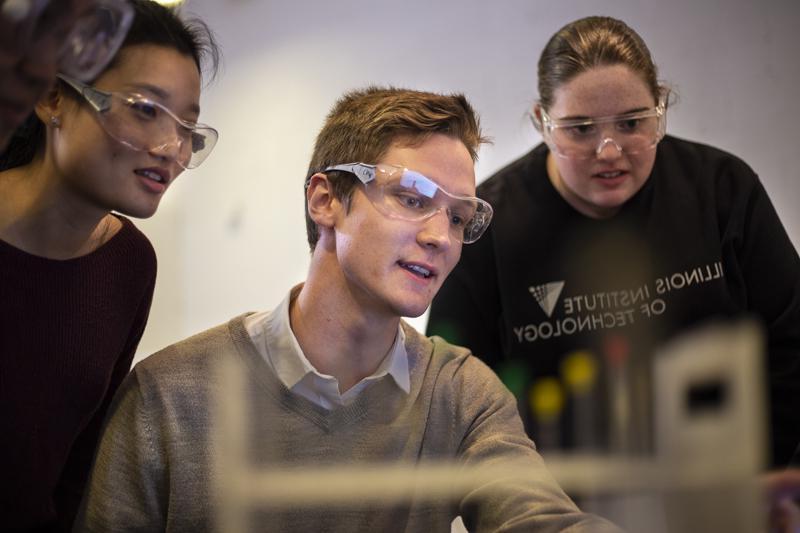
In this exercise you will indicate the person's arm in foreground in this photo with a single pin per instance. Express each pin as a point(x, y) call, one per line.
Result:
point(528, 498)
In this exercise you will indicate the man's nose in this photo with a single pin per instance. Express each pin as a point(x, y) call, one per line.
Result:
point(436, 230)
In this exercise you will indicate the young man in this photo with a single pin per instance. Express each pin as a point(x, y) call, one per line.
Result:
point(333, 376)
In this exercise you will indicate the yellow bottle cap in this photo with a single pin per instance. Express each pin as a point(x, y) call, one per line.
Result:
point(579, 370)
point(546, 398)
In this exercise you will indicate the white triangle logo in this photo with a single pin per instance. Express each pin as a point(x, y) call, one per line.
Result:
point(547, 295)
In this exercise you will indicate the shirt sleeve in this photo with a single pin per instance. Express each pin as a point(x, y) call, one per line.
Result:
point(528, 498)
point(770, 275)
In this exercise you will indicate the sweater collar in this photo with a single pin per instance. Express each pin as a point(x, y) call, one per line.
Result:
point(272, 335)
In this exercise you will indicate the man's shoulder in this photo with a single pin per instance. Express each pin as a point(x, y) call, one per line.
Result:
point(461, 388)
point(449, 360)
point(196, 355)
point(431, 349)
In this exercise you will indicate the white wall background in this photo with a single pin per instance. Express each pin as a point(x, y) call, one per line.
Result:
point(230, 236)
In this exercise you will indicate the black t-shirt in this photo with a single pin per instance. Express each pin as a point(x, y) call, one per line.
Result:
point(700, 241)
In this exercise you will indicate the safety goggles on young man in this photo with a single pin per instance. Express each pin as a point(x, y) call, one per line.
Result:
point(142, 124)
point(92, 41)
point(584, 138)
point(398, 192)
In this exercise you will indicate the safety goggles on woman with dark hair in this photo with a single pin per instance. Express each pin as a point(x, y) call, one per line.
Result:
point(142, 124)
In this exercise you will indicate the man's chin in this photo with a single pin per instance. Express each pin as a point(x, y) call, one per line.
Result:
point(414, 311)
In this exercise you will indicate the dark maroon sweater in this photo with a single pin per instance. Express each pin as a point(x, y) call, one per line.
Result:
point(68, 333)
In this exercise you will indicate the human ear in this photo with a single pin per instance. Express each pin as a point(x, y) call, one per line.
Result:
point(322, 205)
point(50, 106)
point(536, 116)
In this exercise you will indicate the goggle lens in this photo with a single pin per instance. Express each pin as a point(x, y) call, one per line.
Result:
point(95, 38)
point(405, 194)
point(631, 133)
point(145, 125)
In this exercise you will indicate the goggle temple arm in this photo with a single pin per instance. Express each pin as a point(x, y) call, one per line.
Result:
point(99, 100)
point(364, 172)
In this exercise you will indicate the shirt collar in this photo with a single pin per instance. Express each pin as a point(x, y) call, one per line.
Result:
point(275, 340)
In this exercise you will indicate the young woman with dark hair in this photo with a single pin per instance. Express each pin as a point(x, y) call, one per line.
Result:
point(76, 276)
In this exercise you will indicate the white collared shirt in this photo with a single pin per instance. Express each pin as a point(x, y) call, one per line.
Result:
point(274, 339)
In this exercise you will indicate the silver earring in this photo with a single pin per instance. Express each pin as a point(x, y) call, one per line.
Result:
point(54, 121)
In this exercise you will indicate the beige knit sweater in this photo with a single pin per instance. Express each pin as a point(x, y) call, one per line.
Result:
point(155, 472)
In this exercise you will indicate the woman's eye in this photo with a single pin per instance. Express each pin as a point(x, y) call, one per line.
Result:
point(581, 130)
point(628, 125)
point(144, 109)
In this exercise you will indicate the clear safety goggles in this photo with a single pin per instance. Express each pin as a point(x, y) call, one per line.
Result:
point(90, 44)
point(397, 192)
point(630, 133)
point(144, 125)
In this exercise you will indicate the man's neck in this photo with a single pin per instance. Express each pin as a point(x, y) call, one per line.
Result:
point(337, 335)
